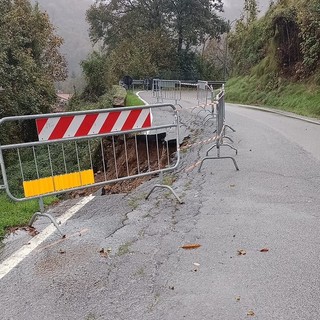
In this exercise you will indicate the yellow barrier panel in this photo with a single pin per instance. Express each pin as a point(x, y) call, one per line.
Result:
point(37, 187)
point(58, 183)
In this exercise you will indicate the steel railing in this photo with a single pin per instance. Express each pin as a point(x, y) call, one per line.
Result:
point(166, 90)
point(77, 150)
point(220, 130)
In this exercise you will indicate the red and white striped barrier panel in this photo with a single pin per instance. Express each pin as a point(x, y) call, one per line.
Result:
point(92, 124)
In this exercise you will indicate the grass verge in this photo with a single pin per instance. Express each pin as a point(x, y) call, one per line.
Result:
point(133, 100)
point(16, 214)
point(300, 98)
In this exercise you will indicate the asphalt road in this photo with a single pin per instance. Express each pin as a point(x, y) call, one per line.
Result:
point(272, 203)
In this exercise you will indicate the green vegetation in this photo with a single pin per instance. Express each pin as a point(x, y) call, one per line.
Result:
point(133, 100)
point(274, 60)
point(30, 62)
point(169, 30)
point(299, 98)
point(124, 249)
point(15, 214)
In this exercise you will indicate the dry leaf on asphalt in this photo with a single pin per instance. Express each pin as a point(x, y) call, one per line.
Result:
point(264, 250)
point(103, 253)
point(191, 246)
point(251, 313)
point(242, 252)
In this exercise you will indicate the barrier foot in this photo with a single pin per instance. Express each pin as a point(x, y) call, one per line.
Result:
point(226, 137)
point(166, 187)
point(213, 158)
point(230, 146)
point(203, 110)
point(46, 215)
point(230, 128)
point(207, 118)
point(207, 153)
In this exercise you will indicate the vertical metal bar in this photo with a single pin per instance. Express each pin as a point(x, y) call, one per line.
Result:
point(148, 157)
point(41, 205)
point(103, 161)
point(3, 171)
point(64, 158)
point(115, 157)
point(168, 152)
point(157, 145)
point(78, 160)
point(35, 161)
point(126, 154)
point(137, 152)
point(50, 161)
point(20, 164)
point(90, 155)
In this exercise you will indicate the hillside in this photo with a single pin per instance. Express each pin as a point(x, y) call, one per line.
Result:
point(69, 19)
point(275, 58)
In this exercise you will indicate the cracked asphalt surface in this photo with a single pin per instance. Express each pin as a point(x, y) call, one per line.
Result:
point(273, 202)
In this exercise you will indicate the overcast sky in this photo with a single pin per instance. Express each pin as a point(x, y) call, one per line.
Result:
point(233, 8)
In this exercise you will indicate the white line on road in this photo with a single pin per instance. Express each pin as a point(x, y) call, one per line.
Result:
point(11, 262)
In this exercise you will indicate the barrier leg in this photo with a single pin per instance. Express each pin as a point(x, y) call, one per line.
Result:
point(215, 145)
point(46, 215)
point(230, 146)
point(230, 128)
point(210, 115)
point(166, 187)
point(203, 110)
point(226, 137)
point(214, 158)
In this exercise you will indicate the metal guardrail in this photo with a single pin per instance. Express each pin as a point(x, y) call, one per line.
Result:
point(144, 84)
point(204, 93)
point(166, 90)
point(220, 131)
point(77, 150)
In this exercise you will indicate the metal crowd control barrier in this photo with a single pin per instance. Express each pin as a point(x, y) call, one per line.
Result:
point(205, 98)
point(145, 84)
point(203, 92)
point(75, 150)
point(138, 83)
point(167, 90)
point(220, 131)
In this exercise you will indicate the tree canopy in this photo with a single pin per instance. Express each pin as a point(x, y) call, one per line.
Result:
point(30, 61)
point(153, 37)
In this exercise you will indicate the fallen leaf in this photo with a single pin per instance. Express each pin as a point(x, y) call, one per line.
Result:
point(251, 313)
point(242, 252)
point(238, 298)
point(103, 253)
point(264, 250)
point(31, 230)
point(191, 246)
